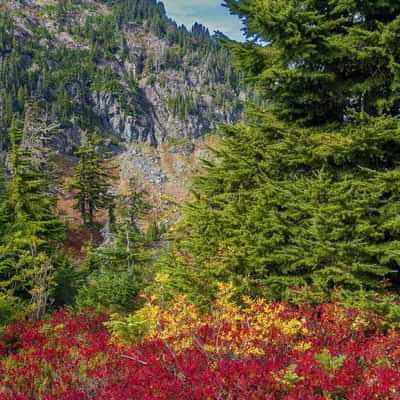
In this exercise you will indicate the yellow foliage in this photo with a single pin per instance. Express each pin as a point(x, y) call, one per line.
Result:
point(237, 330)
point(302, 346)
point(360, 323)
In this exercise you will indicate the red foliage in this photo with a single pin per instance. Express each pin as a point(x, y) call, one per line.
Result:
point(71, 357)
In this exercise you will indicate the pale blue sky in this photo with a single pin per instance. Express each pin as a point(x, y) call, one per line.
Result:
point(207, 12)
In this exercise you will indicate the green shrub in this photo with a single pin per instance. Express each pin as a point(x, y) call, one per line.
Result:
point(111, 290)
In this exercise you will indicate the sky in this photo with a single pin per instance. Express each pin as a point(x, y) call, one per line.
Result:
point(209, 13)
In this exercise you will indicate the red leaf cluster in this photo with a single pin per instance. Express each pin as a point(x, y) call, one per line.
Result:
point(72, 357)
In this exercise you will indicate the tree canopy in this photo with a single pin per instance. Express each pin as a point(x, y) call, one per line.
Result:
point(304, 192)
point(322, 60)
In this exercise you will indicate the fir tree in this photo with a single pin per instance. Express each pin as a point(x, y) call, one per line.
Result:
point(126, 247)
point(323, 59)
point(117, 272)
point(91, 180)
point(29, 230)
point(305, 192)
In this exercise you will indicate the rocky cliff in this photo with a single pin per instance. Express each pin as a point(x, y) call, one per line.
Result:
point(152, 89)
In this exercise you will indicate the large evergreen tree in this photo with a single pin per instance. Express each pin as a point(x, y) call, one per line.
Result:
point(323, 59)
point(306, 191)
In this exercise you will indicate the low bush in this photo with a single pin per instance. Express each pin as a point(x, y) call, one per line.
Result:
point(251, 351)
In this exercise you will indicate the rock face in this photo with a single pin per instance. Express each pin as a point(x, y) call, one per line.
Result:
point(126, 127)
point(155, 122)
point(140, 81)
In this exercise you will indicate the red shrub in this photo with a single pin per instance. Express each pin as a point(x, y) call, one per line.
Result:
point(335, 354)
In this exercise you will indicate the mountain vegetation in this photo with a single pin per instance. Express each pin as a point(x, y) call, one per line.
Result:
point(79, 82)
point(304, 192)
point(66, 52)
point(281, 278)
point(91, 180)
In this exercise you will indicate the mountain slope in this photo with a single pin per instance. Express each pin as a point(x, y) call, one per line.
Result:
point(122, 67)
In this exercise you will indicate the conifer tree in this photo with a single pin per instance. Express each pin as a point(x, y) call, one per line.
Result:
point(126, 248)
point(91, 180)
point(117, 272)
point(306, 191)
point(29, 232)
point(324, 59)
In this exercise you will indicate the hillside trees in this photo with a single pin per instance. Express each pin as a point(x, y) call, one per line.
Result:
point(29, 230)
point(52, 86)
point(305, 192)
point(128, 238)
point(117, 269)
point(66, 78)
